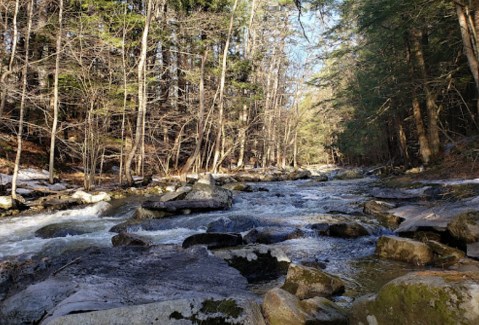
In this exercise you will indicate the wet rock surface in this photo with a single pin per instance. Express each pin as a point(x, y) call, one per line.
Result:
point(213, 240)
point(100, 279)
point(66, 229)
point(256, 263)
point(126, 239)
point(233, 224)
point(272, 235)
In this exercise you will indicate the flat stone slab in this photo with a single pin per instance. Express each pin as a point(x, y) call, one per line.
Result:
point(437, 217)
point(106, 278)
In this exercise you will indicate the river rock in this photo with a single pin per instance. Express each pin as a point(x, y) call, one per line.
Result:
point(220, 195)
point(422, 298)
point(233, 224)
point(404, 249)
point(324, 311)
point(100, 279)
point(182, 311)
point(142, 214)
point(256, 263)
point(444, 256)
point(6, 202)
point(437, 218)
point(213, 240)
point(238, 186)
point(272, 235)
point(179, 194)
point(307, 282)
point(348, 174)
point(60, 203)
point(6, 276)
point(465, 227)
point(282, 308)
point(133, 225)
point(91, 198)
point(126, 239)
point(347, 230)
point(299, 174)
point(206, 179)
point(378, 208)
point(64, 229)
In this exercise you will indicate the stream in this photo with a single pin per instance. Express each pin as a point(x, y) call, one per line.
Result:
point(287, 204)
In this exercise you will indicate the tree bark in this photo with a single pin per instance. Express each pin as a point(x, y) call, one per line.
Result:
point(141, 95)
point(55, 92)
point(221, 103)
point(23, 98)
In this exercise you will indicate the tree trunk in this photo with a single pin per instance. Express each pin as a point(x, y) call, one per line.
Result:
point(431, 106)
point(12, 58)
point(141, 95)
point(23, 98)
point(200, 126)
point(221, 104)
point(55, 91)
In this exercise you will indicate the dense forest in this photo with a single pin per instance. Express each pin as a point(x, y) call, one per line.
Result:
point(161, 86)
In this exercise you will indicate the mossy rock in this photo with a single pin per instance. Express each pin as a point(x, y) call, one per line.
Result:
point(404, 250)
point(446, 298)
point(465, 227)
point(307, 282)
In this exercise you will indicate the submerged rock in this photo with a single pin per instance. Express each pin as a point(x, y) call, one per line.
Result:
point(213, 240)
point(272, 235)
point(183, 311)
point(256, 263)
point(404, 249)
point(126, 239)
point(233, 224)
point(64, 229)
point(307, 282)
point(422, 298)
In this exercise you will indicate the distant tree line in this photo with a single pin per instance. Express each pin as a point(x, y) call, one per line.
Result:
point(400, 81)
point(149, 85)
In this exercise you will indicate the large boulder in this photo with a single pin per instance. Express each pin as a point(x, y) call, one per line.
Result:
point(179, 194)
point(272, 235)
point(182, 311)
point(282, 308)
point(233, 224)
point(126, 239)
point(422, 298)
point(99, 279)
point(256, 263)
point(404, 249)
point(465, 227)
point(142, 214)
point(307, 282)
point(220, 195)
point(213, 240)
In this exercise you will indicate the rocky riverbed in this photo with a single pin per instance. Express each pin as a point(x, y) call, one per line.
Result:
point(295, 248)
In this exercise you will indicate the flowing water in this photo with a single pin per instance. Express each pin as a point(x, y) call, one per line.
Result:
point(292, 204)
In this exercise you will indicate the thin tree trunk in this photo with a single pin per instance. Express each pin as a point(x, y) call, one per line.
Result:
point(222, 88)
point(55, 92)
point(12, 58)
point(125, 96)
point(141, 95)
point(200, 126)
point(22, 100)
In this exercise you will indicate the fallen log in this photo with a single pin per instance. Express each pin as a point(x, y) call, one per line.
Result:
point(193, 205)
